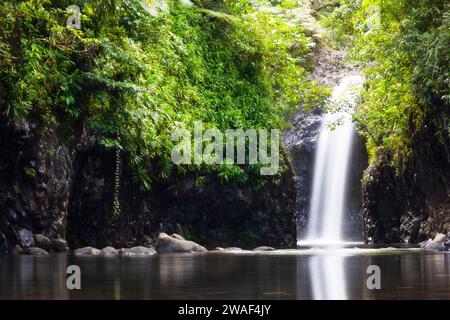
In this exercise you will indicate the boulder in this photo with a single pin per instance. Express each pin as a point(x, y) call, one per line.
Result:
point(123, 252)
point(440, 238)
point(142, 251)
point(430, 246)
point(109, 252)
point(86, 251)
point(264, 248)
point(168, 244)
point(17, 250)
point(26, 238)
point(60, 245)
point(136, 251)
point(42, 242)
point(437, 244)
point(177, 236)
point(34, 251)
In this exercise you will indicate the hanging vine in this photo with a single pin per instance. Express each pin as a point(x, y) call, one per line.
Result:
point(116, 201)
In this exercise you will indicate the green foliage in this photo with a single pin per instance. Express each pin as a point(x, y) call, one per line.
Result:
point(133, 78)
point(29, 171)
point(200, 181)
point(228, 172)
point(340, 21)
point(252, 237)
point(406, 59)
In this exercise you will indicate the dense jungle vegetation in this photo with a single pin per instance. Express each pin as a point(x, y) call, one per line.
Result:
point(404, 47)
point(132, 77)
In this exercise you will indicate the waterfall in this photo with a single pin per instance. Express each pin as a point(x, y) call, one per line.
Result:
point(331, 166)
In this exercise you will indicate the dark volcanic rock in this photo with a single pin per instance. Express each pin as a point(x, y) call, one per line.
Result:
point(35, 170)
point(301, 141)
point(411, 204)
point(62, 187)
point(60, 245)
point(3, 244)
point(207, 212)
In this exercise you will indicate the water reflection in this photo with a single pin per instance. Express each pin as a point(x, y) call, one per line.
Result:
point(301, 274)
point(26, 277)
point(328, 277)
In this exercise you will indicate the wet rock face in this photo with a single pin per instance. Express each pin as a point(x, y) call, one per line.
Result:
point(410, 206)
point(301, 142)
point(207, 213)
point(64, 192)
point(358, 162)
point(35, 181)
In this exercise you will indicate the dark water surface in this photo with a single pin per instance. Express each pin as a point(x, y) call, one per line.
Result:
point(294, 274)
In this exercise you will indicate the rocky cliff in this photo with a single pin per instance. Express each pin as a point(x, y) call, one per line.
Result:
point(35, 181)
point(412, 203)
point(62, 187)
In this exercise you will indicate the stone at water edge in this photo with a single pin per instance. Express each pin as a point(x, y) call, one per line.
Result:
point(144, 251)
point(108, 251)
point(168, 244)
point(42, 242)
point(437, 244)
point(264, 248)
point(34, 251)
point(86, 251)
point(440, 238)
point(17, 250)
point(26, 238)
point(60, 245)
point(136, 251)
point(233, 249)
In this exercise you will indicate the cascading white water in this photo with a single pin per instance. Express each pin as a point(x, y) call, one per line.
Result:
point(331, 165)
